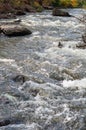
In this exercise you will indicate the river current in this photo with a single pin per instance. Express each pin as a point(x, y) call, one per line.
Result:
point(43, 75)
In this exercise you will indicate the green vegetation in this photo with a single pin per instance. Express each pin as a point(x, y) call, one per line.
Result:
point(7, 6)
point(82, 3)
point(70, 3)
point(37, 6)
point(66, 3)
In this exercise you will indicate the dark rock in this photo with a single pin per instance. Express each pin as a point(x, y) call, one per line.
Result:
point(56, 76)
point(47, 7)
point(83, 128)
point(15, 30)
point(82, 46)
point(59, 12)
point(0, 30)
point(20, 78)
point(34, 92)
point(10, 120)
point(7, 15)
point(60, 45)
point(17, 21)
point(84, 38)
point(20, 12)
point(4, 122)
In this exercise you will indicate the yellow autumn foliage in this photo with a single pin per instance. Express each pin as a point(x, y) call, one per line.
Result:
point(36, 3)
point(69, 3)
point(38, 7)
point(74, 3)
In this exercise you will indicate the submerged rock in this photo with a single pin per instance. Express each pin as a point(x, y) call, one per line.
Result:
point(20, 78)
point(15, 30)
point(59, 12)
point(84, 38)
point(56, 76)
point(83, 128)
point(4, 122)
point(60, 45)
point(82, 46)
point(54, 126)
point(10, 121)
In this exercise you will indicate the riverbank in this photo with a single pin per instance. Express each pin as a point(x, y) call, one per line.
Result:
point(11, 9)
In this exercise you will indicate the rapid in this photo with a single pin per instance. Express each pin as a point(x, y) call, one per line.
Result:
point(43, 75)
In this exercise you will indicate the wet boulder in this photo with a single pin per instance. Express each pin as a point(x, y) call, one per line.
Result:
point(84, 38)
point(81, 46)
point(59, 12)
point(20, 78)
point(15, 30)
point(0, 30)
point(20, 12)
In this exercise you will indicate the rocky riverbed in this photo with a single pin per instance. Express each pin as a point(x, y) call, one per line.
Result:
point(43, 75)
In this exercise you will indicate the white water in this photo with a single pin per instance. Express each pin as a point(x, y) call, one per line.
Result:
point(60, 101)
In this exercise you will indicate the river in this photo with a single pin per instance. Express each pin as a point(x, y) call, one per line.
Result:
point(43, 75)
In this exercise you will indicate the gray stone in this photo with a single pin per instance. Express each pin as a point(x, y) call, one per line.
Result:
point(59, 12)
point(15, 30)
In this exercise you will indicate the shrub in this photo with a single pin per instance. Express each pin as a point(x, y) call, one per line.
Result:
point(70, 3)
point(82, 3)
point(37, 6)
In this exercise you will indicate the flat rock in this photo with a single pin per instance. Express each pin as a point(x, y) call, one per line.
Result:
point(15, 30)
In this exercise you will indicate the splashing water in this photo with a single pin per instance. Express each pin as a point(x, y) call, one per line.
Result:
point(49, 74)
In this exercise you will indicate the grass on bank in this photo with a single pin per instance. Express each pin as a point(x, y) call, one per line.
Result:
point(65, 3)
